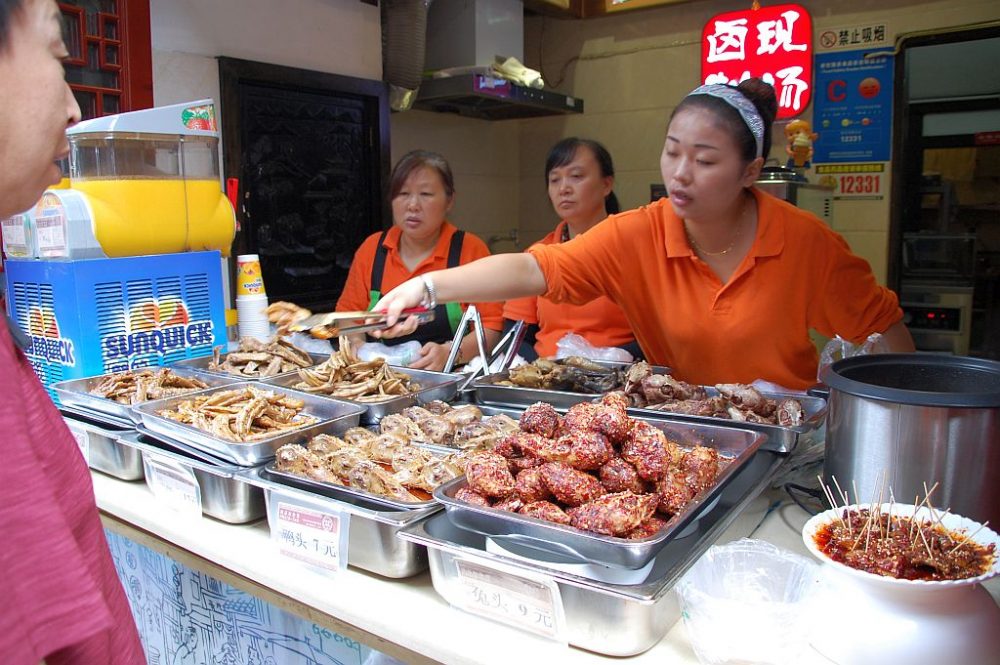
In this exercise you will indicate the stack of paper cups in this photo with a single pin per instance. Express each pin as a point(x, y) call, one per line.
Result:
point(251, 300)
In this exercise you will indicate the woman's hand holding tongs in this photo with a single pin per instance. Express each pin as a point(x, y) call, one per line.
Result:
point(410, 293)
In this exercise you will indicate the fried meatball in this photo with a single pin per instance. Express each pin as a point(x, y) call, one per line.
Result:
point(530, 486)
point(617, 475)
point(647, 529)
point(578, 417)
point(545, 510)
point(518, 464)
point(588, 450)
point(646, 450)
point(569, 485)
point(470, 496)
point(488, 475)
point(511, 504)
point(612, 421)
point(540, 418)
point(550, 450)
point(615, 514)
point(674, 491)
point(701, 464)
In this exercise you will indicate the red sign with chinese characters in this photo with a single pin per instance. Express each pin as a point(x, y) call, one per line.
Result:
point(772, 43)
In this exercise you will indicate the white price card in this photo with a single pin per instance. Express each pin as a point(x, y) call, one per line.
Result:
point(316, 537)
point(529, 602)
point(173, 484)
point(82, 441)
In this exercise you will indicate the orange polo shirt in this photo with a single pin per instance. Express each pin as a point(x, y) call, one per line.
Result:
point(357, 290)
point(600, 321)
point(797, 275)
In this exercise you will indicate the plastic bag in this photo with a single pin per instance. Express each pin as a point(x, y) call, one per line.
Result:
point(400, 355)
point(572, 344)
point(746, 602)
point(839, 348)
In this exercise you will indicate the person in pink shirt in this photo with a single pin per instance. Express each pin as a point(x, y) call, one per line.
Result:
point(62, 600)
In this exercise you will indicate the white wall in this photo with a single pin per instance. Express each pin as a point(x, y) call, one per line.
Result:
point(334, 36)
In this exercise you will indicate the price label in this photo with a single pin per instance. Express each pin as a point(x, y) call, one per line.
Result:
point(527, 602)
point(316, 537)
point(174, 484)
point(82, 442)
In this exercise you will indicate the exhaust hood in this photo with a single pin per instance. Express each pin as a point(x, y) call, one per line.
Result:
point(489, 98)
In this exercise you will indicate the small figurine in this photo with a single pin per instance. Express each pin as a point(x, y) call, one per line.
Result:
point(800, 143)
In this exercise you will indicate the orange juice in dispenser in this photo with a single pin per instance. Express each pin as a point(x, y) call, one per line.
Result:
point(151, 179)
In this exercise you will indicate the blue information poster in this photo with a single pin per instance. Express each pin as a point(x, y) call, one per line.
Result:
point(852, 106)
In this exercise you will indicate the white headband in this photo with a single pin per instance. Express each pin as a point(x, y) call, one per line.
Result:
point(743, 106)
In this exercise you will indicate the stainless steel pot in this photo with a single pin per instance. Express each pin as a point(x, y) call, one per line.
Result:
point(918, 419)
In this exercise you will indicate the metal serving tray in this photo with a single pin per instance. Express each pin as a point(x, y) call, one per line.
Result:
point(434, 386)
point(103, 450)
point(372, 543)
point(333, 414)
point(612, 619)
point(779, 438)
point(76, 392)
point(489, 391)
point(201, 365)
point(737, 446)
point(225, 494)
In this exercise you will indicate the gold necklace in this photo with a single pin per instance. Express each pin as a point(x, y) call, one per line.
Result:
point(698, 248)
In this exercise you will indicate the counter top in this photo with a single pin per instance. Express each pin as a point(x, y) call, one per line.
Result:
point(406, 618)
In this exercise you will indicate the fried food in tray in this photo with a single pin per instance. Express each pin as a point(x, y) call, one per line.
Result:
point(595, 469)
point(440, 424)
point(241, 415)
point(572, 374)
point(385, 465)
point(255, 358)
point(734, 401)
point(345, 376)
point(137, 386)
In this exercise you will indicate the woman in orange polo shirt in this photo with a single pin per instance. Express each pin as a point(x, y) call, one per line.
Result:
point(721, 281)
point(422, 192)
point(580, 177)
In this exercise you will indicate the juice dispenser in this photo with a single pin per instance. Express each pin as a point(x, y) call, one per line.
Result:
point(151, 180)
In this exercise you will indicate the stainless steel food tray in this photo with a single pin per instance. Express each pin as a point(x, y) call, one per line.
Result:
point(612, 619)
point(372, 543)
point(736, 446)
point(76, 392)
point(104, 452)
point(201, 365)
point(434, 386)
point(225, 493)
point(779, 438)
point(334, 415)
point(488, 390)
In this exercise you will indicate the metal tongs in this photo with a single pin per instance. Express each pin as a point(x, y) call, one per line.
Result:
point(512, 341)
point(333, 322)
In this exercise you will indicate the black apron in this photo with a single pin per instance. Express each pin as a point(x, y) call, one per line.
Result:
point(447, 316)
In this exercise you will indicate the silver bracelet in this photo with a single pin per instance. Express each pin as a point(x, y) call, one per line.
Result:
point(431, 301)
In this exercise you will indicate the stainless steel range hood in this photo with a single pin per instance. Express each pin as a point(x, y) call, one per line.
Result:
point(488, 98)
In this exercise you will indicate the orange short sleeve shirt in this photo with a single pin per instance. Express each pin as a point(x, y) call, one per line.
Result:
point(357, 290)
point(798, 275)
point(600, 321)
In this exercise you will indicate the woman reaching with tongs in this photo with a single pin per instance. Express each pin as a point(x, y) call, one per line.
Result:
point(721, 281)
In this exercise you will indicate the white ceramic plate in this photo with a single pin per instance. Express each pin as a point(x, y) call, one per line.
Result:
point(954, 523)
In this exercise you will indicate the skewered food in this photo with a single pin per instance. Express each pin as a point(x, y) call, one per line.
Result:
point(345, 376)
point(600, 470)
point(241, 415)
point(735, 401)
point(900, 546)
point(135, 386)
point(384, 465)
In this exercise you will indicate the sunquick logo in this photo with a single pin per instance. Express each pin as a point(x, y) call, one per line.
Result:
point(46, 344)
point(157, 326)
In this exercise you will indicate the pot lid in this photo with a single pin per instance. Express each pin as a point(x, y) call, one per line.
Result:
point(919, 379)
